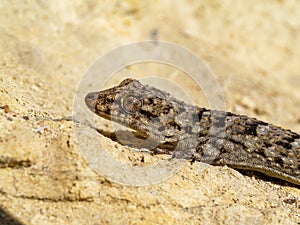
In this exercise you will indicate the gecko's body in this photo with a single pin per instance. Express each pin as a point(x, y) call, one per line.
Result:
point(195, 133)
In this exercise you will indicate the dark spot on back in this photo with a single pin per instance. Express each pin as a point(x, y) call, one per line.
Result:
point(261, 123)
point(251, 129)
point(284, 144)
point(289, 139)
point(197, 117)
point(279, 160)
point(229, 114)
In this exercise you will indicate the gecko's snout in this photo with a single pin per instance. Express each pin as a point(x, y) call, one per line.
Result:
point(91, 100)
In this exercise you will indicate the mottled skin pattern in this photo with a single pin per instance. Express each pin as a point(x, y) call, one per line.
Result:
point(199, 134)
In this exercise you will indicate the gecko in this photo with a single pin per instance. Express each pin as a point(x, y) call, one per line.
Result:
point(194, 133)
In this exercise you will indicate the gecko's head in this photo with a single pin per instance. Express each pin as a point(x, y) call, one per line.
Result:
point(101, 102)
point(143, 108)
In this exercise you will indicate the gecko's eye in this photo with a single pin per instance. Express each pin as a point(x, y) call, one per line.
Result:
point(131, 103)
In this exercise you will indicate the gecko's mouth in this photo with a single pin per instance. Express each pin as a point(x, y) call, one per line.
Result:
point(115, 118)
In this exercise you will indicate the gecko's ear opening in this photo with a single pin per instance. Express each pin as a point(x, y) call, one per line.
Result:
point(91, 99)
